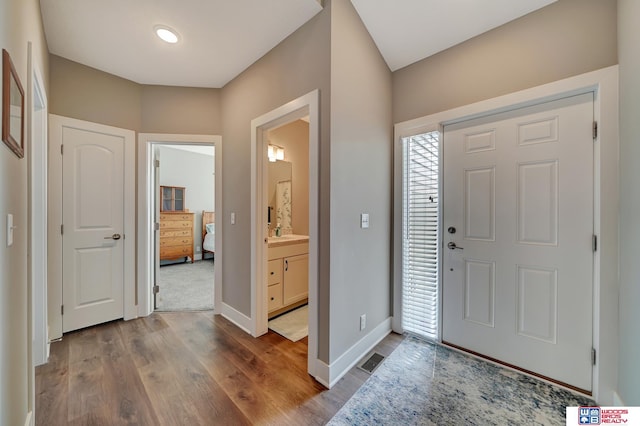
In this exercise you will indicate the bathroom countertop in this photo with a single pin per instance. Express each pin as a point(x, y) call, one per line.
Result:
point(286, 240)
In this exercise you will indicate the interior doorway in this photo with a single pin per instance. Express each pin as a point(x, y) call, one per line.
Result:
point(175, 200)
point(185, 213)
point(287, 174)
point(305, 106)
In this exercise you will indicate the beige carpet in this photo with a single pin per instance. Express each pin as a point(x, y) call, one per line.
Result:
point(293, 325)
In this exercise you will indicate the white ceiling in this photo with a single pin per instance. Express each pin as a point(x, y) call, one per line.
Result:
point(221, 38)
point(406, 31)
point(218, 38)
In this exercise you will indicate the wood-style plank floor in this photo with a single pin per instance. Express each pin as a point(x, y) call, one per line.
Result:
point(189, 368)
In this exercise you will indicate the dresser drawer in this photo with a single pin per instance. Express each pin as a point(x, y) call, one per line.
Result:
point(274, 297)
point(176, 217)
point(176, 233)
point(175, 252)
point(275, 271)
point(178, 224)
point(176, 241)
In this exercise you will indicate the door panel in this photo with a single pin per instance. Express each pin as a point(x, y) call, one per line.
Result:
point(519, 285)
point(93, 211)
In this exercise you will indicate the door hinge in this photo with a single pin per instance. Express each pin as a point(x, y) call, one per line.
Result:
point(157, 163)
point(593, 356)
point(156, 289)
point(594, 243)
point(61, 149)
point(595, 130)
point(61, 309)
point(62, 229)
point(156, 226)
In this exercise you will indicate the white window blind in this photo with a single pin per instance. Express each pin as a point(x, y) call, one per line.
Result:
point(420, 235)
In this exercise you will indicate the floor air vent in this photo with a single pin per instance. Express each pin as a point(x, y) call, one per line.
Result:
point(371, 363)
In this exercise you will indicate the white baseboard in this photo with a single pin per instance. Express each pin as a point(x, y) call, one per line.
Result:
point(29, 420)
point(329, 375)
point(617, 400)
point(197, 257)
point(236, 317)
point(322, 373)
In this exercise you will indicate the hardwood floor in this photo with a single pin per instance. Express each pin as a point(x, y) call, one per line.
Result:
point(185, 368)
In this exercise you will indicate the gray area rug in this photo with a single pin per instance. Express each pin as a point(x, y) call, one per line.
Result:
point(186, 287)
point(422, 383)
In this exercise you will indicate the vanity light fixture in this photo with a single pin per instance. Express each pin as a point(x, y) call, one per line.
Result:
point(275, 153)
point(166, 34)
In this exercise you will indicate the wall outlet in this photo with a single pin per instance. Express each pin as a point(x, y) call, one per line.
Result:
point(233, 218)
point(197, 249)
point(363, 321)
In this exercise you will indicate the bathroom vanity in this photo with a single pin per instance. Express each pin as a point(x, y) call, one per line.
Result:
point(288, 273)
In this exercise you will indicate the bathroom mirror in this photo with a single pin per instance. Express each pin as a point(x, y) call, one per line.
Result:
point(280, 200)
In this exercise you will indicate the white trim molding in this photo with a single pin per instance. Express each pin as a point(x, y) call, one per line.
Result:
point(306, 105)
point(329, 375)
point(236, 317)
point(604, 85)
point(146, 142)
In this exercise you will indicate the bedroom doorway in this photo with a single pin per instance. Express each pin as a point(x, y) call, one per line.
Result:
point(184, 211)
point(178, 197)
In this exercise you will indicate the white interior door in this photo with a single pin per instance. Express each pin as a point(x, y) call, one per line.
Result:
point(93, 218)
point(518, 189)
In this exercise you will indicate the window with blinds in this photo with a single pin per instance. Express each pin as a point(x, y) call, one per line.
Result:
point(420, 239)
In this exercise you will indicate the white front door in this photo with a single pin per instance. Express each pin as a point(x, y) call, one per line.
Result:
point(93, 219)
point(517, 235)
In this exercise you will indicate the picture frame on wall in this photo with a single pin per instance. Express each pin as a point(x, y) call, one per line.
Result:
point(12, 107)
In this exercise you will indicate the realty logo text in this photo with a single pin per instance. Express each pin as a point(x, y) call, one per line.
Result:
point(597, 415)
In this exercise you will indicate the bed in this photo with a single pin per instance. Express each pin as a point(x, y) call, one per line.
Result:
point(208, 233)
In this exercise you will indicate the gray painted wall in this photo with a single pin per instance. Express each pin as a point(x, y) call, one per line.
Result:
point(629, 332)
point(361, 153)
point(297, 66)
point(196, 173)
point(85, 93)
point(19, 23)
point(564, 39)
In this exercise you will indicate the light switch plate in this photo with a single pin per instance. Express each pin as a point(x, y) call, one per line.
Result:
point(10, 229)
point(364, 220)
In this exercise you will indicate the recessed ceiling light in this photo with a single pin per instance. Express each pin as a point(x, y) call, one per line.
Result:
point(166, 34)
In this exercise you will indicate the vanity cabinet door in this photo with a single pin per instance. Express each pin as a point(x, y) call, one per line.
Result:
point(296, 278)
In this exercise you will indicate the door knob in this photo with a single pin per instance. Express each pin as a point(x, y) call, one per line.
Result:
point(452, 246)
point(113, 237)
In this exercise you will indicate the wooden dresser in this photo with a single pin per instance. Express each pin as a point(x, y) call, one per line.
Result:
point(176, 235)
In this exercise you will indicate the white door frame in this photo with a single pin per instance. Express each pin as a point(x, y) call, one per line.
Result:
point(54, 214)
point(146, 196)
point(604, 84)
point(296, 109)
point(37, 146)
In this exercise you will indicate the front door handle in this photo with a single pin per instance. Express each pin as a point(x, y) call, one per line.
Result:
point(452, 246)
point(113, 237)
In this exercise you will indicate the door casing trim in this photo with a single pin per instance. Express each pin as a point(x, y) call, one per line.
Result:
point(146, 141)
point(308, 104)
point(604, 84)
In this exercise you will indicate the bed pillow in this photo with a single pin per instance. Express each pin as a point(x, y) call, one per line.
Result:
point(211, 228)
